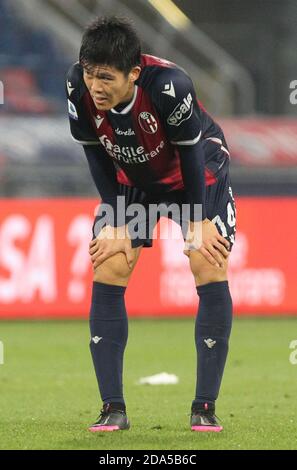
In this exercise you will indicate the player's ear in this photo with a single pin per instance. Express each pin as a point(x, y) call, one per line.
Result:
point(134, 73)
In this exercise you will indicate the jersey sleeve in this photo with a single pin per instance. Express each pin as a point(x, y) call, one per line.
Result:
point(80, 124)
point(175, 99)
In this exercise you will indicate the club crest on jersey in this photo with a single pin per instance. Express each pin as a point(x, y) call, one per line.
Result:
point(181, 112)
point(147, 122)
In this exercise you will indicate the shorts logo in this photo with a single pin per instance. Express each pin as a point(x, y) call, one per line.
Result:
point(147, 122)
point(181, 112)
point(72, 110)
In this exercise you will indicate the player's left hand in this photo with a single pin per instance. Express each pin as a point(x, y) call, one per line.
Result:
point(110, 241)
point(205, 238)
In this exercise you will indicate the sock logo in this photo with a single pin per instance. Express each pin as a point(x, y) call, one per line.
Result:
point(96, 339)
point(209, 343)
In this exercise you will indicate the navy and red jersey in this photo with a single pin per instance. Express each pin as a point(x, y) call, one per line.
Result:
point(143, 139)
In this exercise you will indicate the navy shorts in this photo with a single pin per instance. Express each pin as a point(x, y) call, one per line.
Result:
point(220, 209)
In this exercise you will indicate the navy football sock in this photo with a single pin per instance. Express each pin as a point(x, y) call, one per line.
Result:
point(212, 331)
point(109, 334)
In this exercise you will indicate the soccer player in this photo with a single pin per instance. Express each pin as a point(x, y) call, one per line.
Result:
point(146, 137)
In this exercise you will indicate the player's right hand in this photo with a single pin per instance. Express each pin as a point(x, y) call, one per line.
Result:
point(110, 241)
point(205, 238)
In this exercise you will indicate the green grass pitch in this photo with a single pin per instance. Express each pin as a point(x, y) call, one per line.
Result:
point(49, 394)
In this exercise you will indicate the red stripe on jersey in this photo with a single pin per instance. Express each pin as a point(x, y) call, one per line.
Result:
point(201, 106)
point(105, 129)
point(209, 177)
point(123, 178)
point(175, 179)
point(147, 60)
point(163, 160)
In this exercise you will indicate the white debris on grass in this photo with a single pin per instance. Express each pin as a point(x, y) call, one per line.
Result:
point(159, 379)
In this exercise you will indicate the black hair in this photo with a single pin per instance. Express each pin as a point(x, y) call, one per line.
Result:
point(110, 41)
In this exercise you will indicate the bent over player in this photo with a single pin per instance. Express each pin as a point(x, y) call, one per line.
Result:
point(147, 138)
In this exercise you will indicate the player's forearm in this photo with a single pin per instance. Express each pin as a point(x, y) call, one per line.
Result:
point(103, 174)
point(193, 173)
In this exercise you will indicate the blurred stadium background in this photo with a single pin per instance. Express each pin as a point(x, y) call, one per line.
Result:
point(242, 58)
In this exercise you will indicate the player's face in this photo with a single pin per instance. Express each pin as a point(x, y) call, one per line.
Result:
point(109, 86)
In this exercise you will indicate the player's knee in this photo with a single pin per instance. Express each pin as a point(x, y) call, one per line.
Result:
point(114, 270)
point(204, 272)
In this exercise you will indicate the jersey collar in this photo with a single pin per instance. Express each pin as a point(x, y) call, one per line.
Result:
point(129, 106)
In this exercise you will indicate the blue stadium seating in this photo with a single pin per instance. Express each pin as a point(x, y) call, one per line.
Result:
point(27, 49)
